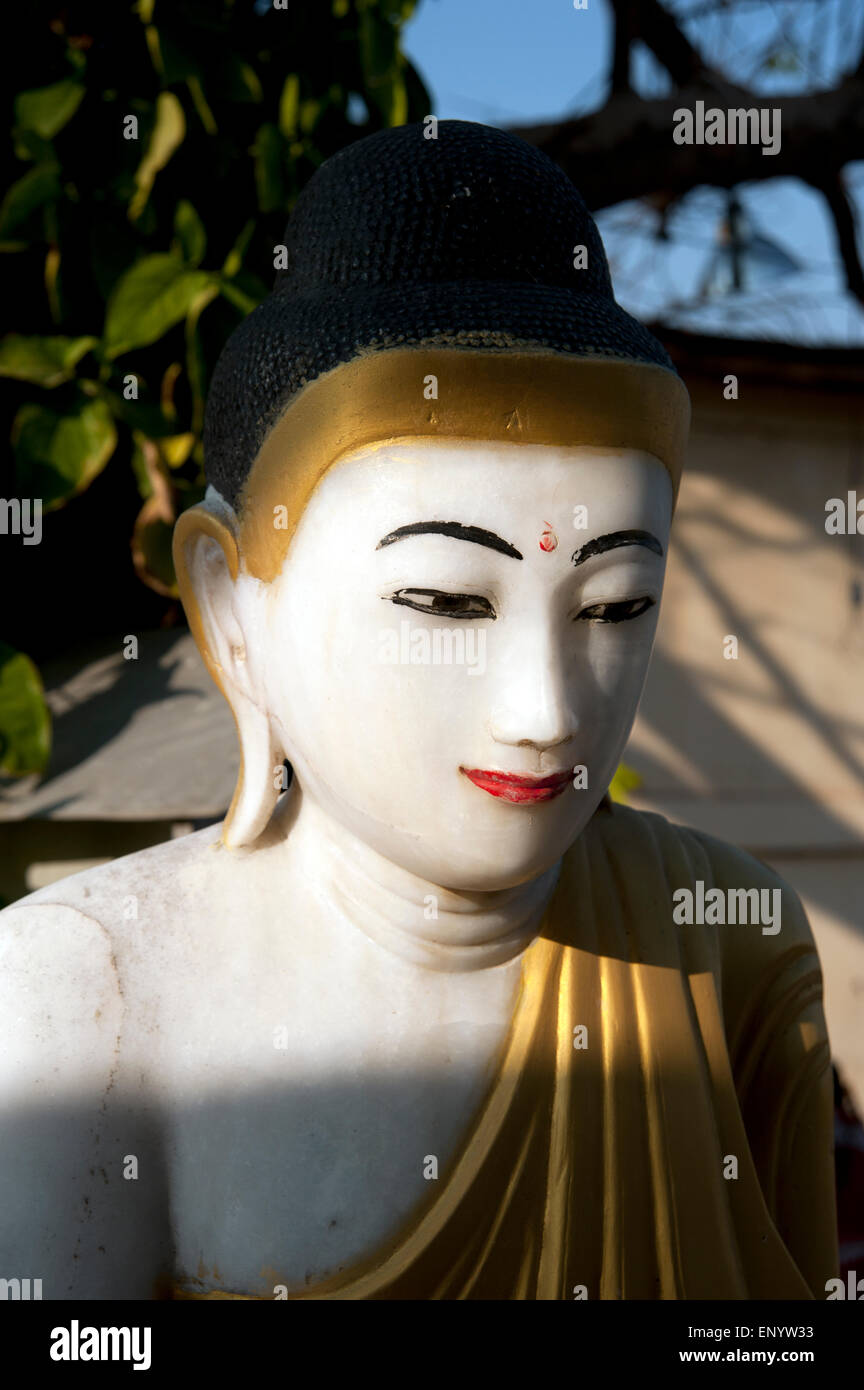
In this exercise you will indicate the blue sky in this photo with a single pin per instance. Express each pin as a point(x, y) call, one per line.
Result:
point(506, 62)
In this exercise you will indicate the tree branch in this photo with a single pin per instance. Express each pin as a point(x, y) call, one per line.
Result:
point(842, 211)
point(625, 150)
point(659, 30)
point(624, 14)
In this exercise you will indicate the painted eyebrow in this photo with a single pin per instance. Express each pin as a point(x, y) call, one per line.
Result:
point(476, 534)
point(611, 542)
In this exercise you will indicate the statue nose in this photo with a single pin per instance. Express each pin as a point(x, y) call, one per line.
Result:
point(534, 708)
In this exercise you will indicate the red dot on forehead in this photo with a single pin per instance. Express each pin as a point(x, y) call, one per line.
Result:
point(548, 540)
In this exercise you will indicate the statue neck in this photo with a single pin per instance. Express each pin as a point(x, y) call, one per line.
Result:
point(409, 916)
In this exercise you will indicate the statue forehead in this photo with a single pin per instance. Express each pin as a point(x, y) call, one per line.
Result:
point(446, 458)
point(480, 474)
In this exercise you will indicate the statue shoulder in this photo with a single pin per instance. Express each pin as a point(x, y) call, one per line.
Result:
point(77, 996)
point(755, 896)
point(59, 993)
point(730, 914)
point(758, 914)
point(62, 954)
point(113, 893)
point(766, 950)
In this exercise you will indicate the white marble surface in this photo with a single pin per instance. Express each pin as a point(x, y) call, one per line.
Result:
point(282, 1033)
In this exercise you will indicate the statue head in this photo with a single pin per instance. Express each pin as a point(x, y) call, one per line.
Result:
point(442, 463)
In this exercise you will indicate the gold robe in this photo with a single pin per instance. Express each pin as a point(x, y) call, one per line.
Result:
point(685, 1151)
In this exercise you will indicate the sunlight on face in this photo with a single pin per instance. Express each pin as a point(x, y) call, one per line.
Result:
point(457, 644)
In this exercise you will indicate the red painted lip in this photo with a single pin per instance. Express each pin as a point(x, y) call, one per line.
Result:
point(512, 787)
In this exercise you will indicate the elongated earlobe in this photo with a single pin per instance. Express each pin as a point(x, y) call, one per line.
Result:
point(258, 781)
point(206, 559)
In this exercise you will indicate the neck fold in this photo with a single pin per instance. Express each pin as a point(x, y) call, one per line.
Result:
point(411, 917)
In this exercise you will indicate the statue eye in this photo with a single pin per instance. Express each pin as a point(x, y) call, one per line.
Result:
point(443, 605)
point(617, 612)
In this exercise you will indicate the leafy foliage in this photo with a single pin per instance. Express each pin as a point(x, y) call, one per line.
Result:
point(25, 724)
point(155, 152)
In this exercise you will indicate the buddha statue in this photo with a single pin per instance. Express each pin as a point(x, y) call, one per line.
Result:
point(422, 1018)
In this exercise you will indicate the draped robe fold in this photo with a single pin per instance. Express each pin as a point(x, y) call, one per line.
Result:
point(660, 1123)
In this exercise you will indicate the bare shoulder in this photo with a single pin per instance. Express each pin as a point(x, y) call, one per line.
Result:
point(63, 948)
point(60, 998)
point(76, 1211)
point(148, 880)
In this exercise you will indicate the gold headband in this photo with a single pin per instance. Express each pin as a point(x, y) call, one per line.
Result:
point(516, 397)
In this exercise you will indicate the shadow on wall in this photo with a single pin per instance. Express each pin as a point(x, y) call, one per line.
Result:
point(766, 750)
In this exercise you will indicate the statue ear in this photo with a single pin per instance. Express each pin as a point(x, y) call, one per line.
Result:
point(206, 558)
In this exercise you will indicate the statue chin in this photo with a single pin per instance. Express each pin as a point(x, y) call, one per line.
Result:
point(515, 847)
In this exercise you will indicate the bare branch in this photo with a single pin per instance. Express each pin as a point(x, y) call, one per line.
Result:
point(833, 189)
point(624, 13)
point(659, 30)
point(625, 150)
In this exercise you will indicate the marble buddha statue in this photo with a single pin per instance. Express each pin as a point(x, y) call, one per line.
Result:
point(424, 1023)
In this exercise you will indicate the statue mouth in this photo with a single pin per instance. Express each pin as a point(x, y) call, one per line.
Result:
point(521, 790)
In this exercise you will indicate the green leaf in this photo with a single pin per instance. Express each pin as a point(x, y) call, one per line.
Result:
point(176, 449)
point(252, 285)
point(47, 109)
point(44, 361)
point(269, 178)
point(311, 113)
point(378, 46)
point(139, 465)
point(383, 67)
point(242, 301)
point(234, 259)
point(25, 721)
point(394, 100)
point(202, 106)
point(58, 456)
point(30, 146)
point(252, 82)
point(38, 186)
point(151, 552)
point(167, 134)
point(141, 416)
point(190, 233)
point(149, 299)
point(289, 106)
point(196, 368)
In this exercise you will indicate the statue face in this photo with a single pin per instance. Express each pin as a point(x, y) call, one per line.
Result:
point(457, 628)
